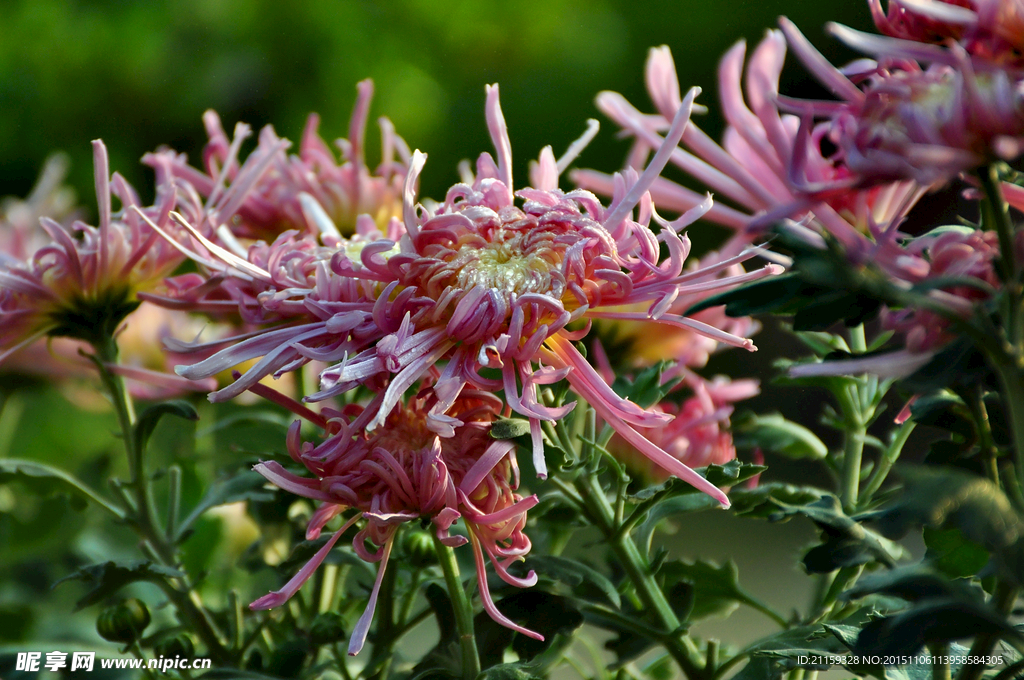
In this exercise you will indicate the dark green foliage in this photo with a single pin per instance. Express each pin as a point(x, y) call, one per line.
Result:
point(846, 541)
point(107, 578)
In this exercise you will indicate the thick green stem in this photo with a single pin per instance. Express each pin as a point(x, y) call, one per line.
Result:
point(1013, 400)
point(852, 403)
point(463, 610)
point(997, 211)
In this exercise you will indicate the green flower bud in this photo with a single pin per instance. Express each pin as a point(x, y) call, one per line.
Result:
point(180, 645)
point(123, 622)
point(419, 546)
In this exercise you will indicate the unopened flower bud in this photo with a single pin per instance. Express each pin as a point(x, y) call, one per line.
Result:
point(179, 645)
point(123, 622)
point(419, 547)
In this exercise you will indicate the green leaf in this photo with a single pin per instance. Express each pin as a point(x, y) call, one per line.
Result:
point(764, 499)
point(913, 584)
point(509, 671)
point(107, 578)
point(245, 486)
point(152, 415)
point(950, 498)
point(47, 480)
point(772, 432)
point(509, 428)
point(535, 609)
point(952, 554)
point(646, 388)
point(773, 294)
point(587, 582)
point(934, 620)
point(716, 588)
point(846, 541)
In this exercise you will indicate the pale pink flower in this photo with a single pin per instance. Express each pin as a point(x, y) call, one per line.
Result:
point(769, 167)
point(959, 253)
point(403, 472)
point(311, 192)
point(699, 434)
point(84, 281)
point(897, 120)
point(20, 235)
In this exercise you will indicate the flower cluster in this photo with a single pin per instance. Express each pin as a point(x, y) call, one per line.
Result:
point(480, 292)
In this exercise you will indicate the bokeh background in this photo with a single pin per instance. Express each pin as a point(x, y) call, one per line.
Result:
point(140, 73)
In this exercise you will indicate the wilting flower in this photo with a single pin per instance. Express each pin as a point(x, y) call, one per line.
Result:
point(273, 192)
point(699, 432)
point(403, 472)
point(84, 281)
point(898, 120)
point(480, 283)
point(992, 29)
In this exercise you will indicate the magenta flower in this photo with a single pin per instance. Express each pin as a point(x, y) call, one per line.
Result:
point(402, 472)
point(84, 281)
point(992, 29)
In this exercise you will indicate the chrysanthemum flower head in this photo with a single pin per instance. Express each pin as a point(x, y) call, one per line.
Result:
point(898, 120)
point(479, 282)
point(992, 29)
point(769, 167)
point(272, 192)
point(952, 253)
point(699, 432)
point(84, 281)
point(403, 472)
point(495, 285)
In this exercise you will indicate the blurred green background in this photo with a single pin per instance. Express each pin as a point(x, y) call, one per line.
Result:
point(140, 73)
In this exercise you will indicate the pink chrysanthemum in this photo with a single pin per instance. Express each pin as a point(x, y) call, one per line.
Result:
point(84, 281)
point(769, 166)
point(310, 192)
point(897, 120)
point(992, 29)
point(403, 472)
point(478, 282)
point(699, 432)
point(958, 253)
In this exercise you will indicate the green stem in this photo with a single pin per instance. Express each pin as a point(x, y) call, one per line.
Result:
point(463, 610)
point(1013, 401)
point(998, 212)
point(185, 599)
point(886, 461)
point(680, 647)
point(853, 447)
